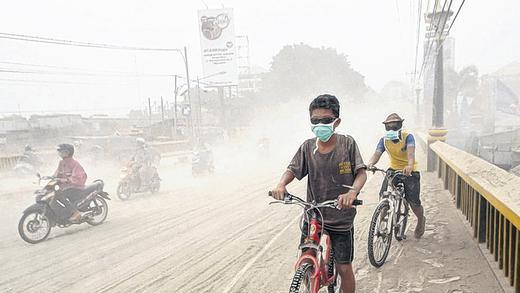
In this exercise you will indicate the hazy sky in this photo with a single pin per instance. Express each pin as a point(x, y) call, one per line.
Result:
point(378, 36)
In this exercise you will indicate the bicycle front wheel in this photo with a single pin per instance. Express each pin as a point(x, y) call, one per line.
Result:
point(380, 234)
point(301, 282)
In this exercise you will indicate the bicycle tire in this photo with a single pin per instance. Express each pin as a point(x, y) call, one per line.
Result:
point(401, 229)
point(302, 276)
point(335, 286)
point(381, 208)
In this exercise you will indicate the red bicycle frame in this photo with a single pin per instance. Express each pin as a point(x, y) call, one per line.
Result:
point(310, 249)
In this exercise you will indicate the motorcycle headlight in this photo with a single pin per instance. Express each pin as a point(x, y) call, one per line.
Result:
point(56, 187)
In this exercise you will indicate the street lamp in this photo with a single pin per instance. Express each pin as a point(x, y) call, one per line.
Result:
point(187, 90)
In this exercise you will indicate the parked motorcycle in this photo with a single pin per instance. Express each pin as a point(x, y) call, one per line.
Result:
point(38, 219)
point(130, 181)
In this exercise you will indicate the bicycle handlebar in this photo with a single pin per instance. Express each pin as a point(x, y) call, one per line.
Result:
point(386, 172)
point(293, 199)
point(46, 177)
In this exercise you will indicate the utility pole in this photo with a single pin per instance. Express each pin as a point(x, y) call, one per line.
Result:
point(162, 110)
point(188, 84)
point(199, 107)
point(222, 110)
point(162, 115)
point(418, 106)
point(438, 92)
point(437, 132)
point(149, 116)
point(175, 108)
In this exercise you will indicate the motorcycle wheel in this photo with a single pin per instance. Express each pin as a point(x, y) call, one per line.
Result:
point(99, 208)
point(34, 227)
point(124, 191)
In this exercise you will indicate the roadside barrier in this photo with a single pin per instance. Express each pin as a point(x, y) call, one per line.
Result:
point(489, 198)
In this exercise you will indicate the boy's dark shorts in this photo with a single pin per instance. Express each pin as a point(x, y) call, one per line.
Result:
point(412, 188)
point(342, 243)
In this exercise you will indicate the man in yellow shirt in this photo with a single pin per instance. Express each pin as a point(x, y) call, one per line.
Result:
point(400, 146)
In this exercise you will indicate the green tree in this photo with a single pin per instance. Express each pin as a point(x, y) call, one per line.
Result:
point(301, 72)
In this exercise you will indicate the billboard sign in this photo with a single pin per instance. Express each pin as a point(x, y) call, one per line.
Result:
point(218, 48)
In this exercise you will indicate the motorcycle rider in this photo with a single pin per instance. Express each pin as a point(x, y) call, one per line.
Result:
point(142, 162)
point(203, 156)
point(71, 180)
point(31, 156)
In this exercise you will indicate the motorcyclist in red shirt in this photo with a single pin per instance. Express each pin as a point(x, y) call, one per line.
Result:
point(71, 178)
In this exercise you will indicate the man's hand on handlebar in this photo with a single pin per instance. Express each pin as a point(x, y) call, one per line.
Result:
point(408, 170)
point(278, 192)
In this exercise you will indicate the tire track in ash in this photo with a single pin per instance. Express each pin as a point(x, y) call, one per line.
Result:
point(153, 221)
point(201, 251)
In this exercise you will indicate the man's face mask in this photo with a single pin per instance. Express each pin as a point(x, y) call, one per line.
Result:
point(323, 128)
point(392, 135)
point(392, 130)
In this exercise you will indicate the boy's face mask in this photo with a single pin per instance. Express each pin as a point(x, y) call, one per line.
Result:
point(323, 131)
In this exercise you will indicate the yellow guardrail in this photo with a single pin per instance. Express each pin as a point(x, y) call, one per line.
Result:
point(489, 198)
point(8, 162)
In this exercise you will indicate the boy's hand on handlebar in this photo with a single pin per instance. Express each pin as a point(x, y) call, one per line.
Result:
point(345, 200)
point(279, 192)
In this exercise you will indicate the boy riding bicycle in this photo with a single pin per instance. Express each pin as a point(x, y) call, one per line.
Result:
point(400, 146)
point(332, 162)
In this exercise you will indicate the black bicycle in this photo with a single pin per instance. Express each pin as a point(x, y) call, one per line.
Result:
point(390, 217)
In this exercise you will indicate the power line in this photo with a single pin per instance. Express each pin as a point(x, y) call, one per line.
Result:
point(449, 29)
point(122, 74)
point(427, 53)
point(419, 10)
point(439, 43)
point(455, 18)
point(429, 29)
point(87, 72)
point(65, 110)
point(71, 68)
point(46, 40)
point(10, 80)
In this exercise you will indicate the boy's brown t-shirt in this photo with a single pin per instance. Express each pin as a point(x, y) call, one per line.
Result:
point(326, 175)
